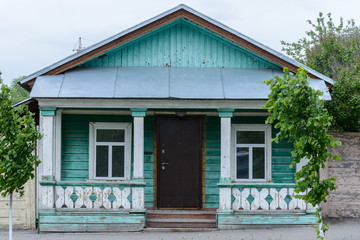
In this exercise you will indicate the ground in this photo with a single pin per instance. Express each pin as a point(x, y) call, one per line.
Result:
point(340, 229)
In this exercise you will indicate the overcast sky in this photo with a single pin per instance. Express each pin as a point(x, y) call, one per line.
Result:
point(37, 33)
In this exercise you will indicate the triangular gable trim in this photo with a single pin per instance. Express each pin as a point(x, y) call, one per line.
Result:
point(158, 21)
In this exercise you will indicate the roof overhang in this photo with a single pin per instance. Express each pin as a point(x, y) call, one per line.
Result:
point(161, 83)
point(181, 11)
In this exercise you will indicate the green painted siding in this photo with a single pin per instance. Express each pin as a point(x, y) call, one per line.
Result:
point(75, 149)
point(60, 221)
point(281, 153)
point(149, 160)
point(75, 153)
point(212, 161)
point(75, 144)
point(281, 158)
point(181, 44)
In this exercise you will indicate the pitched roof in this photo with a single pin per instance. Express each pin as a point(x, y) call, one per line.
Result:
point(181, 11)
point(161, 83)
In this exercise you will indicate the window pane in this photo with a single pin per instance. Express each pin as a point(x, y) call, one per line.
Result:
point(242, 158)
point(250, 137)
point(102, 156)
point(118, 161)
point(110, 135)
point(258, 163)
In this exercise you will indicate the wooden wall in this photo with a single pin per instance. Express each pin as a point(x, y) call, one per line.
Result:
point(24, 216)
point(344, 202)
point(75, 153)
point(75, 148)
point(281, 158)
point(181, 44)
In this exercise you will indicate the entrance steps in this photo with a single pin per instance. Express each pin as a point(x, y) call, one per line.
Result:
point(181, 219)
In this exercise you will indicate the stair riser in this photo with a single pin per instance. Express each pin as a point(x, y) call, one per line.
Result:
point(181, 225)
point(180, 216)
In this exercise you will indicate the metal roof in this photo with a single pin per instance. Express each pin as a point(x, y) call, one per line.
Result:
point(181, 6)
point(161, 82)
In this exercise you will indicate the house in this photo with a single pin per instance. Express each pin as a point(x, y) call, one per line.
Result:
point(164, 118)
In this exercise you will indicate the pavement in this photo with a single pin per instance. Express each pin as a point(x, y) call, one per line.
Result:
point(340, 229)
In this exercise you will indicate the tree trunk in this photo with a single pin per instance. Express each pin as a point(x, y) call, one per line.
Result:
point(10, 217)
point(321, 231)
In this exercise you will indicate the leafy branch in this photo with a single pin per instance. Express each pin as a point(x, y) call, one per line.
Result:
point(297, 110)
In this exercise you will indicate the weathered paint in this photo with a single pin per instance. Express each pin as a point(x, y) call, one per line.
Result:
point(92, 197)
point(61, 221)
point(75, 148)
point(75, 144)
point(75, 153)
point(47, 111)
point(212, 161)
point(23, 215)
point(181, 44)
point(281, 157)
point(260, 198)
point(231, 220)
point(281, 153)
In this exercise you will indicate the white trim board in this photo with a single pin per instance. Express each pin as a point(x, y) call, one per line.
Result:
point(151, 103)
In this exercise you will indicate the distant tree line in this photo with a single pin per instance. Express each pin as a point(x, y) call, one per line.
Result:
point(334, 50)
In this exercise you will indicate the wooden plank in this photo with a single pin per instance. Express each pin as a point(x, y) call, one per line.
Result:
point(236, 220)
point(74, 157)
point(281, 160)
point(281, 152)
point(212, 151)
point(109, 227)
point(212, 167)
point(75, 165)
point(74, 149)
point(75, 142)
point(281, 168)
point(82, 174)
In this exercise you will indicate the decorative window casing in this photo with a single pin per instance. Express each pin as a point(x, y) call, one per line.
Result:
point(251, 152)
point(109, 151)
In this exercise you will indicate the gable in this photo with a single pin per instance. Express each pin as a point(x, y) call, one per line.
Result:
point(102, 50)
point(181, 43)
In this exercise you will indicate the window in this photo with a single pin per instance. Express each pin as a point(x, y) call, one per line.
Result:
point(252, 152)
point(110, 149)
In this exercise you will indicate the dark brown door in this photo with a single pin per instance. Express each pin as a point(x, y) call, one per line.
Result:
point(179, 162)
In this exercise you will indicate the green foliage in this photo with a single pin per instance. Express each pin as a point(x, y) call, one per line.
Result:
point(17, 93)
point(335, 52)
point(299, 113)
point(18, 136)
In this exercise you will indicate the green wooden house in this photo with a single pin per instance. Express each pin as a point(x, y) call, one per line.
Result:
point(164, 120)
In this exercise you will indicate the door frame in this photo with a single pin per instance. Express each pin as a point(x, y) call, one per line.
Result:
point(202, 152)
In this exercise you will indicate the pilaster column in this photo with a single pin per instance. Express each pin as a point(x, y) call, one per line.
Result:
point(47, 154)
point(225, 165)
point(138, 172)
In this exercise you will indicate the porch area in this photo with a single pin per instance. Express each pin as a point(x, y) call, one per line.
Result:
point(74, 197)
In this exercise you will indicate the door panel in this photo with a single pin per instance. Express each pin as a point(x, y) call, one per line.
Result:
point(179, 162)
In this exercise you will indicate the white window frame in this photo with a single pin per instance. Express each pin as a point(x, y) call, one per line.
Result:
point(93, 127)
point(251, 127)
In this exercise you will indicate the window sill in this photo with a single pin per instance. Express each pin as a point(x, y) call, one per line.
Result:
point(101, 183)
point(256, 184)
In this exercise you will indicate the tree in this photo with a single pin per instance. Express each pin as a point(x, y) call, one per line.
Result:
point(335, 52)
point(299, 113)
point(17, 93)
point(18, 137)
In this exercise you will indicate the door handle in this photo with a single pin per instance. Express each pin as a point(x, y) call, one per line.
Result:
point(163, 165)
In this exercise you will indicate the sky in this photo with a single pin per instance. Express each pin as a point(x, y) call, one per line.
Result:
point(37, 33)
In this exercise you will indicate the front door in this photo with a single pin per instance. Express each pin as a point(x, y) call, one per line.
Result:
point(179, 162)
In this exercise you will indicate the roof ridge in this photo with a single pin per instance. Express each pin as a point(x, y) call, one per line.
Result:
point(160, 16)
